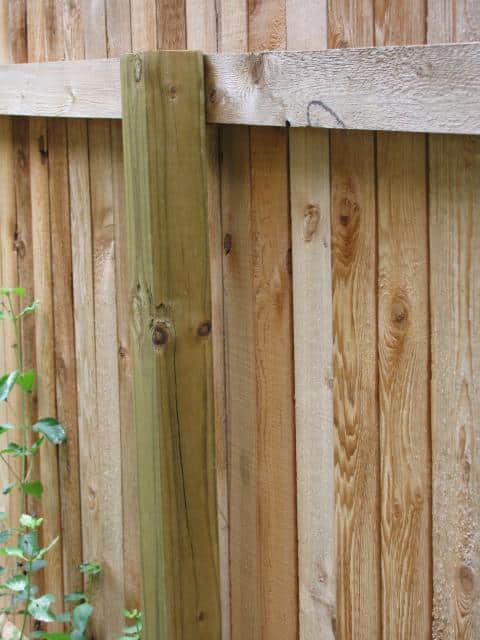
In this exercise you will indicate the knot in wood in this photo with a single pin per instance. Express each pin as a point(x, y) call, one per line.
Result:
point(204, 329)
point(466, 578)
point(172, 92)
point(212, 95)
point(310, 221)
point(159, 334)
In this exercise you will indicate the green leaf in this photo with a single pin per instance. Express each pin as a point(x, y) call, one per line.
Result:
point(51, 429)
point(30, 308)
point(7, 488)
point(39, 609)
point(25, 380)
point(3, 315)
point(36, 565)
point(29, 521)
point(14, 449)
point(5, 426)
point(17, 583)
point(4, 535)
point(34, 488)
point(12, 552)
point(28, 543)
point(17, 291)
point(133, 637)
point(81, 616)
point(6, 384)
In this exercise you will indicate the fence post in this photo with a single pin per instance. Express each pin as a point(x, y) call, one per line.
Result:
point(171, 347)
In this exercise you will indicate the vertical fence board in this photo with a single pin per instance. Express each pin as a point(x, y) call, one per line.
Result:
point(107, 449)
point(201, 25)
point(66, 393)
point(273, 338)
point(240, 385)
point(455, 296)
point(310, 198)
point(403, 386)
point(8, 257)
point(404, 372)
point(119, 41)
point(312, 323)
point(44, 324)
point(455, 322)
point(241, 397)
point(169, 285)
point(357, 462)
point(58, 19)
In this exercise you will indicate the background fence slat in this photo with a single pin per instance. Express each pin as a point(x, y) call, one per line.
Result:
point(107, 449)
point(44, 316)
point(273, 343)
point(354, 253)
point(403, 307)
point(8, 220)
point(455, 322)
point(312, 324)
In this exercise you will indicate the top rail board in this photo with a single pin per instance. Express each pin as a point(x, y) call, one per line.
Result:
point(426, 88)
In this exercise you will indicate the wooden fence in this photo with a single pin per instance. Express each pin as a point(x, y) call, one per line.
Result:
point(344, 339)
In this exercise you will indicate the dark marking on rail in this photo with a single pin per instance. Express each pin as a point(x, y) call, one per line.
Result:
point(319, 103)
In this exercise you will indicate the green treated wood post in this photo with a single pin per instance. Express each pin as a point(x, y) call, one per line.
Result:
point(171, 347)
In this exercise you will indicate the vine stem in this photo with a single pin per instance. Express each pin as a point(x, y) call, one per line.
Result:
point(24, 427)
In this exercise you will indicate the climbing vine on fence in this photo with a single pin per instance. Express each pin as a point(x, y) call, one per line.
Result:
point(20, 549)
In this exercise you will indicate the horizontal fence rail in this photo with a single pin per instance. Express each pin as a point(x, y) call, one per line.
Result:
point(433, 88)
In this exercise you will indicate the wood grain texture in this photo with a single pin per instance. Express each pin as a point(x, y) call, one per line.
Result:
point(119, 40)
point(241, 397)
point(454, 265)
point(404, 366)
point(312, 299)
point(44, 316)
point(312, 325)
point(273, 342)
point(169, 285)
point(8, 257)
point(276, 485)
point(201, 26)
point(77, 89)
point(106, 453)
point(354, 257)
point(403, 386)
point(455, 250)
point(58, 20)
point(419, 88)
point(399, 89)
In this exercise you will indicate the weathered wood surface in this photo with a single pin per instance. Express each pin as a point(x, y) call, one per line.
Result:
point(357, 451)
point(432, 88)
point(403, 354)
point(309, 160)
point(414, 88)
point(454, 233)
point(76, 89)
point(171, 344)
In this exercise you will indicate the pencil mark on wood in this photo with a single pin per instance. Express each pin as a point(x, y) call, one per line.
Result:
point(325, 107)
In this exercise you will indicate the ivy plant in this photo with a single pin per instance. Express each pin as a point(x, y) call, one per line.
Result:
point(20, 549)
point(19, 542)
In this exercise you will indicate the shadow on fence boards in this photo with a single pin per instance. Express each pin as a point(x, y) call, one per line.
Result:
point(264, 342)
